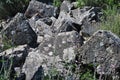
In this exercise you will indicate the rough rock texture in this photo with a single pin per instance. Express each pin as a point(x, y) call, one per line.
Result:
point(88, 28)
point(46, 1)
point(1, 43)
point(18, 55)
point(13, 58)
point(66, 6)
point(66, 23)
point(67, 44)
point(87, 12)
point(52, 52)
point(43, 28)
point(103, 50)
point(88, 17)
point(42, 9)
point(19, 31)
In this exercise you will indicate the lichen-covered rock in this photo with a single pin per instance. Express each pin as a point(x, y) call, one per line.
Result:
point(87, 12)
point(52, 52)
point(66, 23)
point(42, 9)
point(43, 28)
point(102, 50)
point(19, 31)
point(12, 59)
point(17, 55)
point(89, 18)
point(88, 28)
point(66, 6)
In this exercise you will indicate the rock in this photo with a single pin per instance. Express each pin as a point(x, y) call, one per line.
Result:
point(88, 28)
point(51, 52)
point(89, 17)
point(32, 21)
point(42, 9)
point(19, 31)
point(34, 60)
point(47, 21)
point(46, 1)
point(13, 59)
point(43, 28)
point(66, 23)
point(17, 55)
point(1, 44)
point(3, 24)
point(103, 50)
point(75, 4)
point(87, 12)
point(66, 6)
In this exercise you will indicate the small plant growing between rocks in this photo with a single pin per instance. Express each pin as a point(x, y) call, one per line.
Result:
point(7, 43)
point(57, 3)
point(5, 70)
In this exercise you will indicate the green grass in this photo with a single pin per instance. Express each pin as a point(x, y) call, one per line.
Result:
point(98, 3)
point(111, 21)
point(5, 69)
point(57, 3)
point(7, 43)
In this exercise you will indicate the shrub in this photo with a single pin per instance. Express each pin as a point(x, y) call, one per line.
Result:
point(9, 8)
point(111, 20)
point(57, 3)
point(100, 3)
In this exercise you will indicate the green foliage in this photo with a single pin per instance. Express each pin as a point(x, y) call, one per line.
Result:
point(5, 69)
point(57, 3)
point(100, 3)
point(9, 8)
point(111, 20)
point(87, 76)
point(7, 43)
point(80, 3)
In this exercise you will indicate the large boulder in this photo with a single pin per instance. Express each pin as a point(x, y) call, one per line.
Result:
point(11, 59)
point(103, 51)
point(42, 26)
point(42, 9)
point(87, 12)
point(89, 17)
point(51, 52)
point(19, 31)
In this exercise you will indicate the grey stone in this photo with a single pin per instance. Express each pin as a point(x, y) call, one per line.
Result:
point(88, 28)
point(19, 31)
point(42, 9)
point(17, 55)
point(66, 6)
point(43, 28)
point(47, 21)
point(102, 49)
point(32, 20)
point(66, 23)
point(89, 17)
point(51, 52)
point(46, 1)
